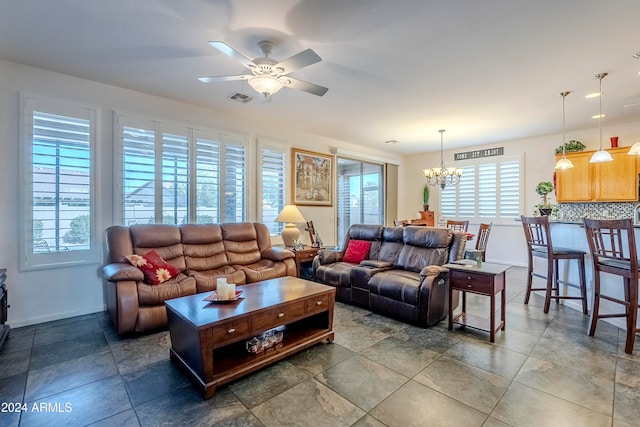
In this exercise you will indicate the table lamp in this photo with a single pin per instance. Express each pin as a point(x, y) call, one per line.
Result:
point(290, 214)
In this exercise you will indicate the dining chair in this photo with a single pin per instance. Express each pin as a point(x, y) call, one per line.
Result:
point(613, 249)
point(483, 238)
point(539, 245)
point(458, 225)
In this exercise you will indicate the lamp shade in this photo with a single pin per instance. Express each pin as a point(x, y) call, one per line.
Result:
point(635, 149)
point(290, 233)
point(290, 213)
point(601, 156)
point(563, 163)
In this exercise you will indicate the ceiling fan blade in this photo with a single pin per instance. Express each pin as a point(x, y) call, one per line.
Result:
point(231, 52)
point(305, 86)
point(213, 79)
point(297, 61)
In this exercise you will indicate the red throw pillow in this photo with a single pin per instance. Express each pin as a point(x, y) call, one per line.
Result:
point(357, 251)
point(155, 269)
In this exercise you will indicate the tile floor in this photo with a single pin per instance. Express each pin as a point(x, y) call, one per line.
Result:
point(542, 371)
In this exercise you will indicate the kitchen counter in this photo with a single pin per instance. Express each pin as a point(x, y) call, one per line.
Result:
point(571, 235)
point(570, 222)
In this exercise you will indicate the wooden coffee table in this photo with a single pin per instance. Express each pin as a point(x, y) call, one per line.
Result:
point(208, 340)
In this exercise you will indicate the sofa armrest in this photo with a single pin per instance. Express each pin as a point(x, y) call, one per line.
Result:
point(328, 256)
point(433, 270)
point(277, 253)
point(434, 292)
point(119, 271)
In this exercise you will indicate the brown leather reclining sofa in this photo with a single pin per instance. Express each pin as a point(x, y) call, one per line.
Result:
point(402, 276)
point(241, 252)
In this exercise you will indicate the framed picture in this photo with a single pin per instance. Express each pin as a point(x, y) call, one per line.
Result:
point(312, 178)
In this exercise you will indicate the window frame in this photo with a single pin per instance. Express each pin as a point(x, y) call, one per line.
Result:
point(28, 260)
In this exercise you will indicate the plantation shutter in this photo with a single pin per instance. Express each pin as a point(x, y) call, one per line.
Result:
point(175, 179)
point(138, 162)
point(273, 166)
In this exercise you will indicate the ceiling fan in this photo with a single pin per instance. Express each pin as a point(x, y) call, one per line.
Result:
point(268, 76)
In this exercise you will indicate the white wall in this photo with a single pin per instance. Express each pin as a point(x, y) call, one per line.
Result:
point(506, 243)
point(44, 295)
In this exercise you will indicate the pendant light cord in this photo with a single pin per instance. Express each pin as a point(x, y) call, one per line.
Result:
point(564, 140)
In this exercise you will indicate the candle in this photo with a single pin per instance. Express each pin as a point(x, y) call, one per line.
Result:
point(222, 288)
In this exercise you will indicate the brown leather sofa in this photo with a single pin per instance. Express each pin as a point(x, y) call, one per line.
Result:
point(241, 252)
point(402, 277)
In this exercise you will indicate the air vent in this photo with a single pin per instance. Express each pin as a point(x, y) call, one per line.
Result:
point(241, 97)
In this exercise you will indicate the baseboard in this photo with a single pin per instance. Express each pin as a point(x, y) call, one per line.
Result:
point(57, 316)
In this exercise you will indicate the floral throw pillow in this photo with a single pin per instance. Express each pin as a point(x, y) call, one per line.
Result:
point(155, 269)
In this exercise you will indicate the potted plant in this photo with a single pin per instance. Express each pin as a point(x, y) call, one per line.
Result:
point(571, 146)
point(543, 189)
point(425, 198)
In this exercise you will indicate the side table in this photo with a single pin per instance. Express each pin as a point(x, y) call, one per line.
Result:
point(486, 279)
point(304, 255)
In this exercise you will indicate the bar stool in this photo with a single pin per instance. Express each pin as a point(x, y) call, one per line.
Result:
point(607, 239)
point(538, 237)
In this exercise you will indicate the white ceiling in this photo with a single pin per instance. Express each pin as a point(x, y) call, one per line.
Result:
point(487, 71)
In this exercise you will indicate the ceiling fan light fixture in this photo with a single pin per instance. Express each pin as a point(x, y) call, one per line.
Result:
point(267, 85)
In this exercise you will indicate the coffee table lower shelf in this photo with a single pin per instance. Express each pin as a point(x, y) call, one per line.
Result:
point(233, 361)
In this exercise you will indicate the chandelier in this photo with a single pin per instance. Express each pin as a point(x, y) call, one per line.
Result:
point(443, 175)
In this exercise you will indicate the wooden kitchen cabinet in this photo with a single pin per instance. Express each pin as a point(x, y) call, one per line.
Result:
point(615, 181)
point(574, 185)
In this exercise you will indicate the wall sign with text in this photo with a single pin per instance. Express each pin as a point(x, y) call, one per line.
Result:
point(476, 154)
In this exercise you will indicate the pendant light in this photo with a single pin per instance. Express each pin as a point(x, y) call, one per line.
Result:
point(601, 156)
point(563, 163)
point(635, 149)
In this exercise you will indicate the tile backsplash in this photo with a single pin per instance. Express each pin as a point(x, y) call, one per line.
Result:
point(577, 211)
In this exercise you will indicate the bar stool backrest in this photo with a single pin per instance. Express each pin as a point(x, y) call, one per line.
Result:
point(537, 233)
point(457, 225)
point(483, 237)
point(612, 244)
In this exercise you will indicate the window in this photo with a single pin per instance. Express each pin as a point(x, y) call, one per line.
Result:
point(181, 175)
point(360, 194)
point(489, 190)
point(58, 211)
point(273, 166)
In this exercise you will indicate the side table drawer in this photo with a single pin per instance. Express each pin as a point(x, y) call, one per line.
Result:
point(306, 255)
point(229, 331)
point(278, 316)
point(318, 303)
point(481, 283)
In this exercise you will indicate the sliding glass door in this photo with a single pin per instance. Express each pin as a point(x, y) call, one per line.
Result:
point(360, 194)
